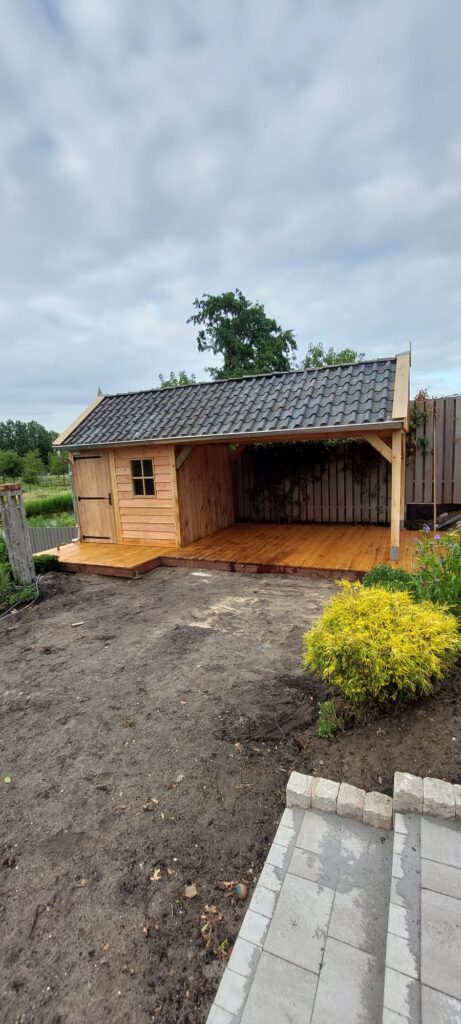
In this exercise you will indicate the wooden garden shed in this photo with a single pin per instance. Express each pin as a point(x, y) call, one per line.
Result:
point(155, 469)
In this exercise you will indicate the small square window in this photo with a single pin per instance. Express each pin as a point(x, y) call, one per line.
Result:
point(142, 474)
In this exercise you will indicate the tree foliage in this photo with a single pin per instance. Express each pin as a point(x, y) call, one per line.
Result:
point(317, 356)
point(22, 437)
point(58, 465)
point(238, 330)
point(10, 465)
point(32, 467)
point(178, 380)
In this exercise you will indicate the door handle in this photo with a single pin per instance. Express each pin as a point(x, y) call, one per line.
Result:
point(110, 498)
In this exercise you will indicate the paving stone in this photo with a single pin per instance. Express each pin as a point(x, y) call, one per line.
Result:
point(439, 1008)
point(285, 836)
point(398, 923)
point(377, 810)
point(299, 926)
point(439, 798)
point(441, 841)
point(318, 831)
point(254, 928)
point(400, 824)
point(292, 818)
point(278, 856)
point(232, 992)
point(408, 793)
point(401, 956)
point(402, 995)
point(441, 942)
point(244, 957)
point(315, 867)
point(350, 801)
point(389, 1017)
point(359, 918)
point(299, 788)
point(324, 795)
point(271, 878)
point(350, 986)
point(219, 1016)
point(263, 901)
point(457, 790)
point(441, 878)
point(281, 993)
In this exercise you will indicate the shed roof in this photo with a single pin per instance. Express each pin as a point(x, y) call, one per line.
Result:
point(295, 402)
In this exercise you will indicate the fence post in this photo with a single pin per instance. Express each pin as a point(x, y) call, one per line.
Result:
point(17, 538)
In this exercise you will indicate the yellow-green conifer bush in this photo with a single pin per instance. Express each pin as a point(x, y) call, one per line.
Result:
point(379, 645)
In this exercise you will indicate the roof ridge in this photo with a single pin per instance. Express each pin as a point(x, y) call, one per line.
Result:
point(252, 376)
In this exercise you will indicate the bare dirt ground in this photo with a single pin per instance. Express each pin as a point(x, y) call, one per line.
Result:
point(148, 749)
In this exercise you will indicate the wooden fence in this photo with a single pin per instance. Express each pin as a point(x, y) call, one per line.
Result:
point(45, 537)
point(420, 476)
point(349, 482)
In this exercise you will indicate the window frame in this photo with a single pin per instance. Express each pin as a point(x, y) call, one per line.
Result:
point(142, 476)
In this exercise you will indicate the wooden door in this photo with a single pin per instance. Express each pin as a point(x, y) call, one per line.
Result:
point(94, 498)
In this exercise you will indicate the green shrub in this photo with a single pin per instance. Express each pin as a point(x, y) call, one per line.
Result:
point(3, 552)
point(329, 721)
point(46, 563)
point(6, 583)
point(390, 579)
point(23, 595)
point(54, 503)
point(438, 576)
point(378, 645)
point(59, 519)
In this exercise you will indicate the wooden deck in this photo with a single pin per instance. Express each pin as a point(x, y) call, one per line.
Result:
point(331, 550)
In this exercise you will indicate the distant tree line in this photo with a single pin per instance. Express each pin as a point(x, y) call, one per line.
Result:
point(26, 451)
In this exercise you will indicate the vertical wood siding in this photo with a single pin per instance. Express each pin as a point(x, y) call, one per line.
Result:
point(205, 492)
point(420, 483)
point(147, 518)
point(285, 484)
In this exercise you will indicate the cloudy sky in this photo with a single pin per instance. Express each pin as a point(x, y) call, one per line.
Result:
point(305, 151)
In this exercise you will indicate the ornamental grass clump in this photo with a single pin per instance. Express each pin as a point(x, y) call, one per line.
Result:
point(379, 646)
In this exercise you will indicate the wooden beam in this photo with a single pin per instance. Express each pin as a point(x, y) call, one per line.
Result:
point(76, 423)
point(174, 480)
point(115, 497)
point(395, 494)
point(380, 445)
point(403, 472)
point(401, 404)
point(183, 455)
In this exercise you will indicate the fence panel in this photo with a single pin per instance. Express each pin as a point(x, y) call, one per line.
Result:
point(295, 483)
point(420, 466)
point(45, 537)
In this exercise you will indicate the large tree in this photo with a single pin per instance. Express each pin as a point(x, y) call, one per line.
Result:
point(238, 330)
point(318, 356)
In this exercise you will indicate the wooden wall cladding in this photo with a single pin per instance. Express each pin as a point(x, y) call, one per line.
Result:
point(205, 492)
point(147, 518)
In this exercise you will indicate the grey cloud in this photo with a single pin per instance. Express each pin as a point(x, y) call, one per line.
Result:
point(309, 154)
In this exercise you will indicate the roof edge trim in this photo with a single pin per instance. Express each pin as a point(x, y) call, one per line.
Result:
point(59, 441)
point(348, 430)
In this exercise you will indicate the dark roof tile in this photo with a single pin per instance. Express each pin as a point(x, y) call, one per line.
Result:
point(340, 396)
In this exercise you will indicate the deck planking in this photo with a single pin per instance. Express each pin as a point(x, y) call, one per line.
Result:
point(317, 548)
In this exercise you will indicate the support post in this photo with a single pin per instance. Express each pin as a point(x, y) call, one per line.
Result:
point(396, 494)
point(403, 481)
point(17, 539)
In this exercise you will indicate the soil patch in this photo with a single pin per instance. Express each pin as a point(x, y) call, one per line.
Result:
point(148, 727)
